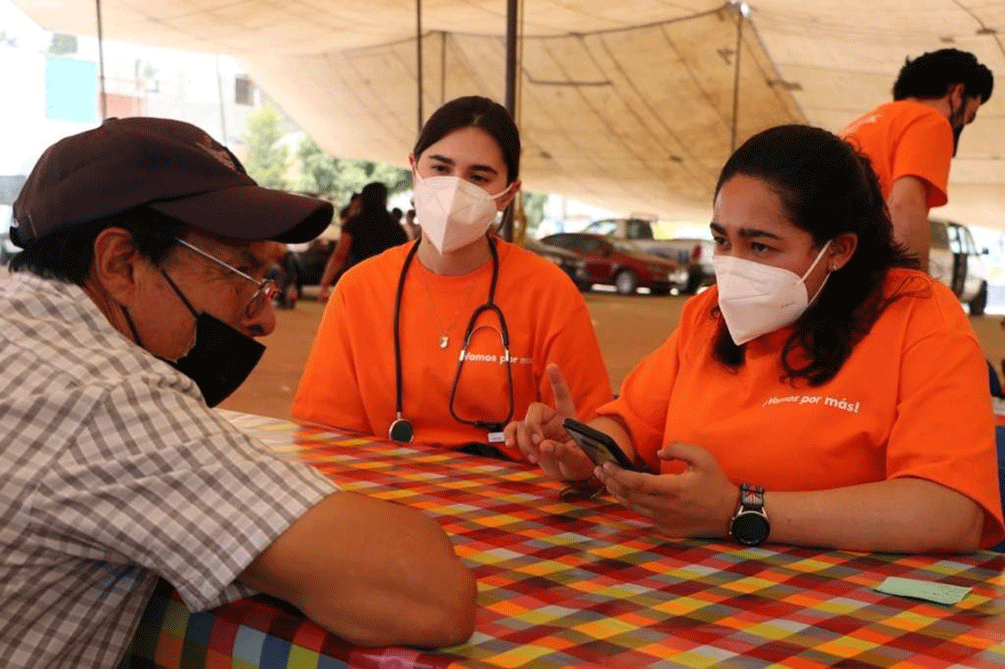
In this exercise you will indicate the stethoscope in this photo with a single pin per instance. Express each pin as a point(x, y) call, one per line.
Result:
point(401, 429)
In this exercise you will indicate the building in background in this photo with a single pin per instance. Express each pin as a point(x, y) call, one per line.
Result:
point(52, 88)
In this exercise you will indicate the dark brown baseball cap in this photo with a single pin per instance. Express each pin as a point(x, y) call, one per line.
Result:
point(170, 166)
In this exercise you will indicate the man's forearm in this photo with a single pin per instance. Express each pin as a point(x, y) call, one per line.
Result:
point(911, 229)
point(372, 572)
point(908, 207)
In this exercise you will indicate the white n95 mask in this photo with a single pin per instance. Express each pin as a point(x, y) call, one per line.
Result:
point(756, 299)
point(453, 212)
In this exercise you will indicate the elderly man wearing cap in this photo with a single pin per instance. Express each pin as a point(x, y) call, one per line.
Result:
point(132, 308)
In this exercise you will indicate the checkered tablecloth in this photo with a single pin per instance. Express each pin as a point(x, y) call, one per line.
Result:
point(590, 585)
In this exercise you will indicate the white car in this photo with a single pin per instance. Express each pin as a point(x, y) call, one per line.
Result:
point(955, 260)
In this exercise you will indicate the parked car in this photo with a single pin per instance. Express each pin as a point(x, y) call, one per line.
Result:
point(955, 260)
point(621, 263)
point(696, 254)
point(569, 261)
point(691, 252)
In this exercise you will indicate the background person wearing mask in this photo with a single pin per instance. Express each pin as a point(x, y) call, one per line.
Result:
point(367, 232)
point(389, 349)
point(133, 308)
point(814, 376)
point(912, 140)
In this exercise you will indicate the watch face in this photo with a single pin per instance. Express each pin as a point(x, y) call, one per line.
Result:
point(750, 528)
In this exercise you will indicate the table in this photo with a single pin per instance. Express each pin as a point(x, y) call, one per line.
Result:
point(589, 585)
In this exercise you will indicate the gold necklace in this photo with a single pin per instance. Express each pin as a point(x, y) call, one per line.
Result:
point(445, 331)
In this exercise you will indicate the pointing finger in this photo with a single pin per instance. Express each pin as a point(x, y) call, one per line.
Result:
point(563, 397)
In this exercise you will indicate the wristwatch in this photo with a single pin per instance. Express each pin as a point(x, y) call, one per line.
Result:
point(750, 525)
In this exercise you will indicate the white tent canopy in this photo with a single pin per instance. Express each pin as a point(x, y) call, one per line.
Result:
point(627, 105)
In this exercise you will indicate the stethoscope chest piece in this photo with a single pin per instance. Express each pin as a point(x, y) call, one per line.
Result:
point(401, 431)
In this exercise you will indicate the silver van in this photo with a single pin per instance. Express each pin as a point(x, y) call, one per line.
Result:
point(955, 260)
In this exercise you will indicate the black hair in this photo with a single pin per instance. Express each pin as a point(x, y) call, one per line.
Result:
point(826, 189)
point(373, 196)
point(67, 254)
point(930, 75)
point(479, 112)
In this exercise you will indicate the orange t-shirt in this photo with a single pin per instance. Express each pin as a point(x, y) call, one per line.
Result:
point(906, 138)
point(910, 401)
point(349, 379)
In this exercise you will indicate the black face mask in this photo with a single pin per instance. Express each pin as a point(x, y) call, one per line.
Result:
point(956, 139)
point(957, 123)
point(221, 359)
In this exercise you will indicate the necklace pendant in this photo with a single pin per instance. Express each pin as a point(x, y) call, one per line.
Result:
point(444, 340)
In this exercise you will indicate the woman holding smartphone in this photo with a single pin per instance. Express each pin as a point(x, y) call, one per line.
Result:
point(444, 340)
point(805, 398)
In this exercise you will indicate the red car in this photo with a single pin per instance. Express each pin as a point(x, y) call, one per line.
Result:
point(621, 264)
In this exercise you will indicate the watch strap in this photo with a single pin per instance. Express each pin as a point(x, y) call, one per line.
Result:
point(750, 525)
point(751, 498)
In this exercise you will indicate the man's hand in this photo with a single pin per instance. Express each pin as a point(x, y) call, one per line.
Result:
point(699, 502)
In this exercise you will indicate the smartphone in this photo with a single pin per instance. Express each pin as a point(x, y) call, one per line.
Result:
point(598, 446)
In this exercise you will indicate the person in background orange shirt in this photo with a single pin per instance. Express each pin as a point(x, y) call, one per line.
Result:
point(819, 394)
point(912, 140)
point(444, 340)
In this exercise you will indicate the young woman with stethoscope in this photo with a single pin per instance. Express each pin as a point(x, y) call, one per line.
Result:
point(446, 339)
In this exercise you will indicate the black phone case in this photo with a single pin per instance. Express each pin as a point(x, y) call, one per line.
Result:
point(598, 446)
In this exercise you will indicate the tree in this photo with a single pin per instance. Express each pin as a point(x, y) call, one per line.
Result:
point(339, 178)
point(533, 209)
point(63, 45)
point(266, 161)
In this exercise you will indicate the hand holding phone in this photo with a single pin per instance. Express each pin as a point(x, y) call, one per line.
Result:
point(599, 447)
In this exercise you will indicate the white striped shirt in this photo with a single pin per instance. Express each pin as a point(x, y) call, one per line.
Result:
point(113, 471)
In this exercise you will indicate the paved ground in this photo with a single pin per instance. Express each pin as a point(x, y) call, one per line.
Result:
point(627, 328)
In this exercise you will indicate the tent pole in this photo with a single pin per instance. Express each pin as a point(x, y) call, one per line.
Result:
point(223, 107)
point(101, 62)
point(443, 66)
point(511, 27)
point(418, 61)
point(511, 37)
point(736, 77)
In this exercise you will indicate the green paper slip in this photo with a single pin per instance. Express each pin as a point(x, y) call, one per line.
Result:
point(941, 593)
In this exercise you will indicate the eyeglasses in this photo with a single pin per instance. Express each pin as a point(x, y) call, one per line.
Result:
point(267, 288)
